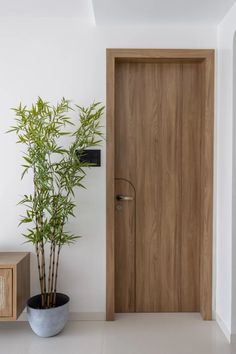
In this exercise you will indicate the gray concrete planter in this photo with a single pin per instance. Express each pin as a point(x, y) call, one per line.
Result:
point(48, 322)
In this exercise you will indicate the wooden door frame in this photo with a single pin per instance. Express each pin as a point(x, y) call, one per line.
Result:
point(207, 57)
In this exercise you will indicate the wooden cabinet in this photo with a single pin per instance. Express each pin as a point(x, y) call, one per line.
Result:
point(14, 284)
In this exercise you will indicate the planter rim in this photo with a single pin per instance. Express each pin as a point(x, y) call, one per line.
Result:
point(66, 300)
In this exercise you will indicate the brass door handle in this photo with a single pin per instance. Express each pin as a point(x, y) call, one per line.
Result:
point(124, 198)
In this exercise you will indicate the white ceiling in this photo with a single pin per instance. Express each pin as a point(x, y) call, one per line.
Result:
point(82, 9)
point(154, 12)
point(122, 12)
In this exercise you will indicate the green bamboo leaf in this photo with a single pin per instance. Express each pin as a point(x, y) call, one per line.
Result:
point(25, 221)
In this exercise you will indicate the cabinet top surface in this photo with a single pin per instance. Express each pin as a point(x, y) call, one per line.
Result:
point(10, 258)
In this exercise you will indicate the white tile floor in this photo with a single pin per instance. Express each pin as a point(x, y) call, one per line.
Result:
point(129, 334)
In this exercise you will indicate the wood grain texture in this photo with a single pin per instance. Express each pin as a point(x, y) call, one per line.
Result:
point(190, 204)
point(110, 190)
point(18, 264)
point(157, 113)
point(11, 258)
point(125, 248)
point(22, 284)
point(6, 293)
point(121, 53)
point(158, 122)
point(207, 187)
point(206, 58)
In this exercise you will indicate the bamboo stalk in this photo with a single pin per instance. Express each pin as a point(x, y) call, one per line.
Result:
point(42, 287)
point(53, 274)
point(39, 272)
point(38, 250)
point(40, 263)
point(52, 255)
point(56, 276)
point(43, 272)
point(49, 275)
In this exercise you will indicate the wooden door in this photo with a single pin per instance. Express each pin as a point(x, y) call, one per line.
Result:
point(158, 142)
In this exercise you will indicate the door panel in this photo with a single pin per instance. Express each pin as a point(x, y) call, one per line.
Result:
point(157, 190)
point(157, 149)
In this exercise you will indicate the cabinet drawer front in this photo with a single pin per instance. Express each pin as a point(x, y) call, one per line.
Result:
point(5, 292)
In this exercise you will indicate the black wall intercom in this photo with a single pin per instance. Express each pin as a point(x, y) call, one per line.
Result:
point(90, 156)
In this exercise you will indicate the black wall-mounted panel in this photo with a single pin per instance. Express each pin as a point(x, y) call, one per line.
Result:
point(90, 156)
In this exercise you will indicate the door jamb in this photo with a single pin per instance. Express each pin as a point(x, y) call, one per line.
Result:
point(207, 57)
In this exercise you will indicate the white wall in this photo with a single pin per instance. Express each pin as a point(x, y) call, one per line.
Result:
point(233, 312)
point(54, 58)
point(226, 187)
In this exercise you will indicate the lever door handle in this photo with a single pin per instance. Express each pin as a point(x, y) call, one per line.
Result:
point(124, 198)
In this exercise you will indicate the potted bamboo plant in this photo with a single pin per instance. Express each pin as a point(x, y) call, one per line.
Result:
point(57, 171)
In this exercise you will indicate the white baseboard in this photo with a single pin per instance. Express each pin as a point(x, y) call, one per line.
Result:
point(87, 316)
point(224, 328)
point(76, 316)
